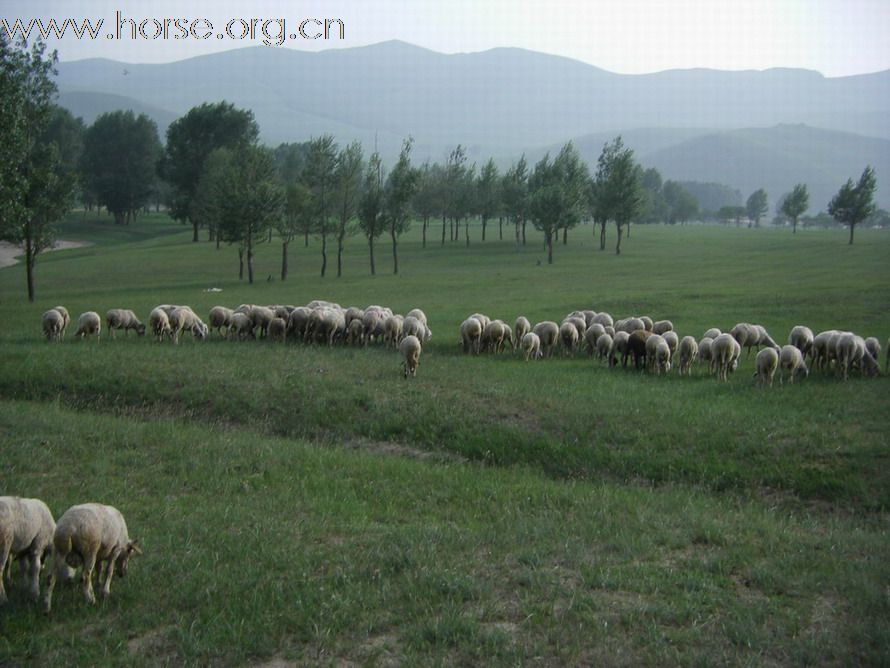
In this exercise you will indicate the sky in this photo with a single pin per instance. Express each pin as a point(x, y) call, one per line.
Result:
point(834, 37)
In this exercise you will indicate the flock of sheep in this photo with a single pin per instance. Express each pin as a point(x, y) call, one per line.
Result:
point(656, 347)
point(86, 535)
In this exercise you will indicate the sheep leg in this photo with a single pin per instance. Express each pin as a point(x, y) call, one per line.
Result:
point(89, 563)
point(35, 564)
point(5, 562)
point(58, 565)
point(109, 574)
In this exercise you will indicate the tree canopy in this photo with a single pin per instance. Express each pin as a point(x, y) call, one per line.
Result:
point(853, 203)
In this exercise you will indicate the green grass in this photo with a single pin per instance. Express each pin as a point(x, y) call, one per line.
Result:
point(310, 505)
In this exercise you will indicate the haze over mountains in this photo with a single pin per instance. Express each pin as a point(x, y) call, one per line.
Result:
point(747, 129)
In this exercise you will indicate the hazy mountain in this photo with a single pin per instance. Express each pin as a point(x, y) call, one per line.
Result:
point(498, 102)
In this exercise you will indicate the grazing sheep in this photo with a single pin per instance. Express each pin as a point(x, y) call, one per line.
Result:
point(410, 348)
point(417, 313)
point(125, 319)
point(725, 352)
point(327, 325)
point(873, 346)
point(53, 322)
point(220, 318)
point(619, 348)
point(65, 317)
point(647, 322)
point(662, 326)
point(819, 352)
point(183, 319)
point(630, 325)
point(603, 346)
point(373, 321)
point(592, 335)
point(88, 324)
point(355, 332)
point(687, 351)
point(763, 338)
point(261, 317)
point(765, 365)
point(704, 352)
point(852, 352)
point(26, 533)
point(712, 333)
point(791, 359)
point(352, 313)
point(548, 333)
point(508, 336)
point(392, 330)
point(277, 330)
point(494, 336)
point(801, 337)
point(580, 325)
point(298, 323)
point(588, 316)
point(521, 327)
point(482, 318)
point(85, 535)
point(159, 322)
point(604, 319)
point(471, 335)
point(241, 326)
point(636, 347)
point(531, 344)
point(673, 341)
point(414, 327)
point(658, 354)
point(568, 337)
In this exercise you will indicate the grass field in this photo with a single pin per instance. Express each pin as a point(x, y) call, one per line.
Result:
point(309, 506)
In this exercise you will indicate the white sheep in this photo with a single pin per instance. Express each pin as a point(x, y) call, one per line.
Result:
point(673, 341)
point(53, 322)
point(619, 348)
point(712, 333)
point(493, 335)
point(687, 351)
point(791, 360)
point(159, 322)
point(852, 352)
point(392, 330)
point(801, 337)
point(873, 346)
point(125, 319)
point(521, 327)
point(604, 319)
point(592, 335)
point(414, 327)
point(482, 318)
point(417, 313)
point(765, 365)
point(26, 533)
point(241, 326)
point(658, 354)
point(85, 535)
point(355, 332)
point(261, 317)
point(647, 322)
point(220, 319)
point(277, 330)
point(548, 333)
point(819, 352)
point(568, 337)
point(662, 326)
point(704, 352)
point(183, 319)
point(298, 322)
point(471, 335)
point(65, 317)
point(603, 345)
point(531, 344)
point(88, 324)
point(410, 348)
point(725, 352)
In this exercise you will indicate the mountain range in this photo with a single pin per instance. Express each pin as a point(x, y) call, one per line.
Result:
point(747, 129)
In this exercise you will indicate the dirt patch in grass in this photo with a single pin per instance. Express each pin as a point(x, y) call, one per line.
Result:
point(154, 644)
point(393, 449)
point(9, 253)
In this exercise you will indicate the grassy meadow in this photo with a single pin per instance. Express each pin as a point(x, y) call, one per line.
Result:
point(308, 506)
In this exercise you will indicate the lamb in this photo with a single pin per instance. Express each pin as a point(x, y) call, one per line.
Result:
point(392, 328)
point(725, 352)
point(568, 337)
point(801, 337)
point(66, 319)
point(125, 319)
point(220, 318)
point(687, 351)
point(765, 365)
point(548, 333)
point(241, 326)
point(410, 348)
point(88, 324)
point(277, 330)
point(159, 322)
point(87, 534)
point(53, 323)
point(26, 533)
point(662, 326)
point(658, 354)
point(471, 335)
point(603, 345)
point(184, 319)
point(521, 327)
point(531, 344)
point(791, 358)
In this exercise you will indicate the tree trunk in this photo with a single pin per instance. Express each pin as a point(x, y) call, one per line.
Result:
point(618, 245)
point(628, 229)
point(500, 228)
point(194, 232)
point(794, 226)
point(371, 248)
point(426, 221)
point(284, 245)
point(603, 235)
point(852, 226)
point(30, 258)
point(240, 264)
point(250, 262)
point(549, 240)
point(443, 229)
point(324, 252)
point(217, 241)
point(210, 233)
point(565, 236)
point(484, 225)
point(395, 252)
point(270, 236)
point(523, 233)
point(119, 220)
point(306, 244)
point(467, 230)
point(340, 240)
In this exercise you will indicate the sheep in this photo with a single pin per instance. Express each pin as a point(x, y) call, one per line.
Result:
point(629, 325)
point(791, 358)
point(241, 326)
point(531, 344)
point(647, 322)
point(87, 534)
point(261, 317)
point(52, 322)
point(673, 341)
point(521, 327)
point(636, 347)
point(184, 319)
point(417, 313)
point(471, 335)
point(588, 316)
point(482, 318)
point(277, 330)
point(725, 352)
point(220, 317)
point(298, 322)
point(414, 327)
point(801, 337)
point(580, 325)
point(281, 311)
point(662, 326)
point(851, 351)
point(619, 347)
point(125, 319)
point(592, 335)
point(321, 303)
point(704, 352)
point(410, 348)
point(326, 324)
point(493, 337)
point(353, 313)
point(355, 332)
point(604, 319)
point(687, 350)
point(88, 324)
point(159, 322)
point(66, 319)
point(548, 333)
point(764, 339)
point(392, 328)
point(765, 366)
point(508, 336)
point(712, 333)
point(658, 354)
point(568, 337)
point(873, 346)
point(373, 320)
point(819, 352)
point(26, 533)
point(603, 346)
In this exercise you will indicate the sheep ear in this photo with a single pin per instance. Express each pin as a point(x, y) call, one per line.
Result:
point(133, 547)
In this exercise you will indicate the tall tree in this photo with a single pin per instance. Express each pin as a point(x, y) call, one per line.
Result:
point(297, 211)
point(119, 162)
point(191, 138)
point(35, 188)
point(348, 184)
point(401, 185)
point(318, 176)
point(618, 195)
point(428, 198)
point(795, 204)
point(454, 192)
point(655, 208)
point(757, 206)
point(370, 206)
point(488, 196)
point(204, 207)
point(681, 204)
point(854, 203)
point(514, 192)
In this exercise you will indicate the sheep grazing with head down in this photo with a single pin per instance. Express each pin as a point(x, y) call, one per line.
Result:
point(241, 327)
point(658, 354)
point(636, 348)
point(392, 330)
point(183, 319)
point(873, 346)
point(687, 350)
point(673, 341)
point(531, 344)
point(410, 348)
point(66, 319)
point(548, 333)
point(471, 335)
point(791, 360)
point(26, 533)
point(89, 324)
point(801, 337)
point(220, 319)
point(277, 330)
point(619, 349)
point(125, 319)
point(704, 352)
point(86, 535)
point(568, 337)
point(521, 327)
point(603, 346)
point(52, 322)
point(725, 352)
point(414, 327)
point(159, 322)
point(765, 365)
point(662, 326)
point(852, 353)
point(592, 335)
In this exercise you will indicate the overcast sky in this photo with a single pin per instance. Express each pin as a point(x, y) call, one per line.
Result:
point(835, 37)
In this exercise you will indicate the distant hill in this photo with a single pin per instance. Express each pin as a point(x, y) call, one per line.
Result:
point(499, 102)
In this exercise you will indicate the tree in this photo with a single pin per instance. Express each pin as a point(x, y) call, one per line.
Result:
point(728, 213)
point(297, 211)
point(370, 206)
point(401, 185)
point(681, 205)
point(35, 187)
point(488, 196)
point(119, 162)
point(347, 183)
point(618, 195)
point(318, 177)
point(204, 207)
point(514, 193)
point(854, 203)
point(455, 195)
point(191, 138)
point(795, 204)
point(757, 206)
point(655, 208)
point(428, 198)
